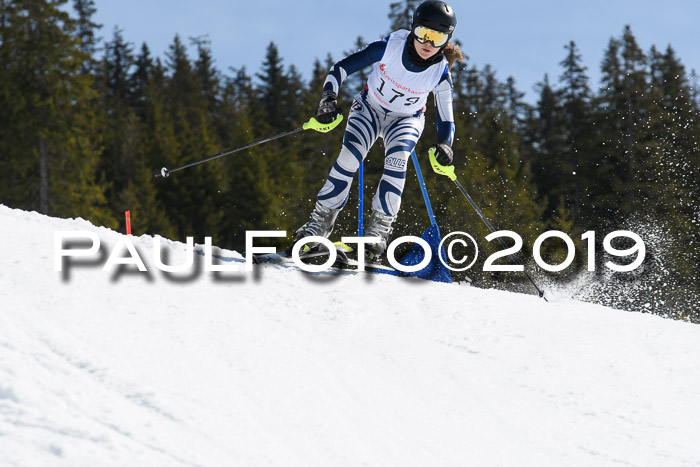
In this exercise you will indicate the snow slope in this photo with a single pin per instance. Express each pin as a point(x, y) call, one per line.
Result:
point(286, 368)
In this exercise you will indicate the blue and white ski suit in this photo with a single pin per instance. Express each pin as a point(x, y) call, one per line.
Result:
point(392, 106)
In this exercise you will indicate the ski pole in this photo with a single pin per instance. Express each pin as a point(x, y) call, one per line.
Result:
point(312, 124)
point(449, 171)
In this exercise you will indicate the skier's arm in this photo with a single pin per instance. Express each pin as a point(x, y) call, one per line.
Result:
point(445, 118)
point(352, 63)
point(443, 108)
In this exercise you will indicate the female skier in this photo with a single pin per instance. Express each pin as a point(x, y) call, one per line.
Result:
point(408, 65)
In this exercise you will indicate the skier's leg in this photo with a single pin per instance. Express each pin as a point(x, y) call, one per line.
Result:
point(360, 134)
point(400, 138)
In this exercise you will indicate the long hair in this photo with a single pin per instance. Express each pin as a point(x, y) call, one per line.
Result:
point(453, 54)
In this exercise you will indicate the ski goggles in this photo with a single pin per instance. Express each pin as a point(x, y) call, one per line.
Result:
point(436, 38)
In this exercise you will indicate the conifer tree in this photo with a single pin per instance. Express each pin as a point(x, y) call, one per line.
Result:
point(117, 120)
point(139, 80)
point(550, 139)
point(493, 95)
point(51, 142)
point(625, 120)
point(158, 143)
point(271, 89)
point(286, 154)
point(671, 169)
point(245, 203)
point(577, 170)
point(401, 14)
point(85, 30)
point(515, 106)
point(293, 95)
point(207, 74)
point(193, 199)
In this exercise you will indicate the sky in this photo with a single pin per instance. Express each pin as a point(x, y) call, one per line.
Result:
point(521, 39)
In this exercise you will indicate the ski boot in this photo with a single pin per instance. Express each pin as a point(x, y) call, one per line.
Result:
point(379, 226)
point(321, 224)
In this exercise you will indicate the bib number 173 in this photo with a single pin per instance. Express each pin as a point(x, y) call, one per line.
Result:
point(396, 94)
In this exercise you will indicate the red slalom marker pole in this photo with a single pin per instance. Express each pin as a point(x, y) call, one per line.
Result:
point(128, 222)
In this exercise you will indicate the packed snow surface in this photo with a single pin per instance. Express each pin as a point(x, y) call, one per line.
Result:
point(281, 367)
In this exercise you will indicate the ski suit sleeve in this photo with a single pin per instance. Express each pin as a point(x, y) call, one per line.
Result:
point(443, 107)
point(354, 62)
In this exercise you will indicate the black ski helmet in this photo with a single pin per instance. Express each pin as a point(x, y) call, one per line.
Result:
point(435, 15)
